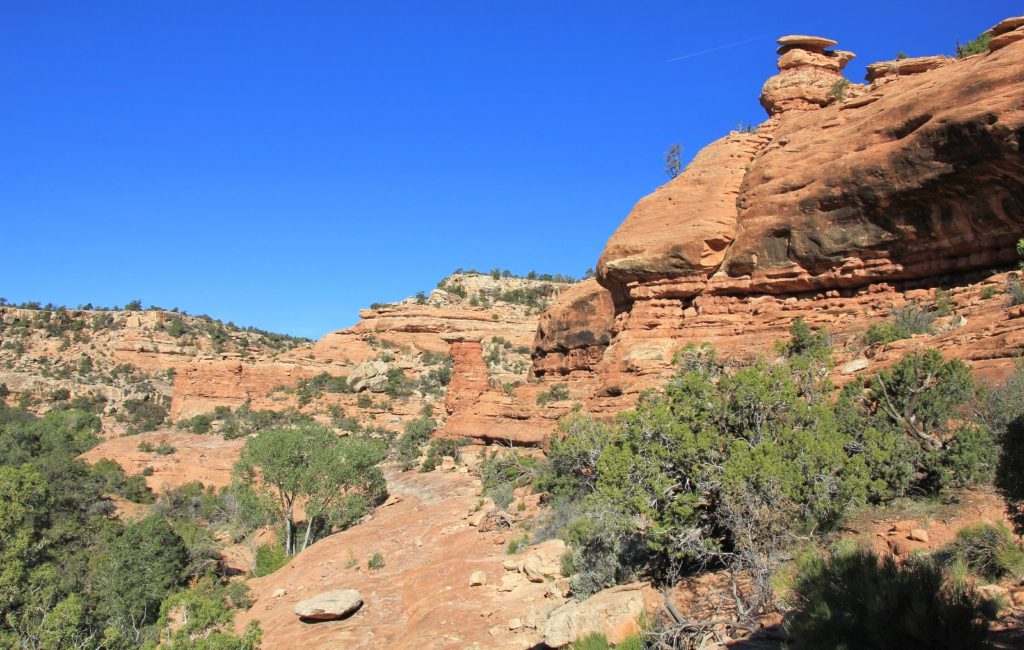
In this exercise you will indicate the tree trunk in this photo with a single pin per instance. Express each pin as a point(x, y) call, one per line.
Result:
point(289, 545)
point(309, 530)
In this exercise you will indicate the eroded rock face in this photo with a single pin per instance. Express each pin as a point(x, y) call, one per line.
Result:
point(574, 332)
point(202, 386)
point(834, 215)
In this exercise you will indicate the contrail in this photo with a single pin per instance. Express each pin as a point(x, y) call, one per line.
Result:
point(764, 36)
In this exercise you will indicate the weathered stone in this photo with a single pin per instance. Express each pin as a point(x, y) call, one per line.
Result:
point(612, 612)
point(329, 605)
point(919, 535)
point(477, 579)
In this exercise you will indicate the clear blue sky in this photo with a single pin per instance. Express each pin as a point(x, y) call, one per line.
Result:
point(282, 164)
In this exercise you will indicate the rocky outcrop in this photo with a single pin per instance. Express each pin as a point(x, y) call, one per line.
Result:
point(477, 410)
point(835, 213)
point(202, 386)
point(810, 76)
point(888, 70)
point(573, 333)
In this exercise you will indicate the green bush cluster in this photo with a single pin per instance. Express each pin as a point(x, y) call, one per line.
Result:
point(557, 393)
point(312, 388)
point(904, 322)
point(410, 444)
point(438, 449)
point(73, 576)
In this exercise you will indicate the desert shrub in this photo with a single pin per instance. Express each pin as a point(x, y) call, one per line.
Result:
point(943, 302)
point(517, 544)
point(312, 388)
point(1010, 472)
point(440, 448)
point(976, 46)
point(598, 641)
point(201, 618)
point(556, 393)
point(1015, 290)
point(399, 386)
point(268, 559)
point(164, 448)
point(988, 550)
point(146, 447)
point(410, 444)
point(604, 548)
point(988, 292)
point(502, 474)
point(143, 413)
point(376, 562)
point(202, 423)
point(364, 401)
point(903, 323)
point(838, 90)
point(110, 478)
point(571, 468)
point(856, 600)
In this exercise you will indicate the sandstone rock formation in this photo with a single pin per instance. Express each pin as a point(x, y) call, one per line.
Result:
point(834, 212)
point(808, 75)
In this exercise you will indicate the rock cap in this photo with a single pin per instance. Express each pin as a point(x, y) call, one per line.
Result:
point(807, 42)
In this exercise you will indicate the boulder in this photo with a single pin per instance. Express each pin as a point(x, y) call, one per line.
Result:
point(329, 605)
point(369, 375)
point(919, 535)
point(477, 579)
point(612, 612)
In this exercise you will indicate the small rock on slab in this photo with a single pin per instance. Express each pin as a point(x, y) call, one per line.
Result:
point(477, 579)
point(919, 535)
point(329, 605)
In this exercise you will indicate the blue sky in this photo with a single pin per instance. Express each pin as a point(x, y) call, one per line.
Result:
point(282, 164)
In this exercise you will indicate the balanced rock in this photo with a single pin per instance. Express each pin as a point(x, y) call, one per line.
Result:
point(329, 605)
point(808, 75)
point(807, 42)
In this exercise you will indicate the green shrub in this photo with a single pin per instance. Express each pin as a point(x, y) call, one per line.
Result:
point(164, 449)
point(988, 292)
point(517, 544)
point(143, 413)
point(376, 562)
point(410, 444)
point(556, 393)
point(904, 322)
point(146, 447)
point(439, 448)
point(598, 641)
point(502, 474)
point(977, 46)
point(1015, 289)
point(988, 550)
point(856, 600)
point(268, 559)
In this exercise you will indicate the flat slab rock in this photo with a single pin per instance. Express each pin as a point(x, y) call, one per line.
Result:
point(329, 605)
point(801, 40)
